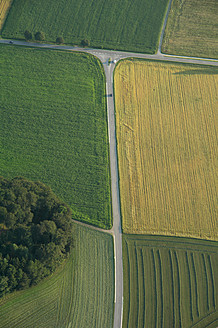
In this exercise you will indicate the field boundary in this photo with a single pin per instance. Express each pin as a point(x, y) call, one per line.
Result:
point(115, 56)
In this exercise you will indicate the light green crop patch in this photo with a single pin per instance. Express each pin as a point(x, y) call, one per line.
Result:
point(80, 294)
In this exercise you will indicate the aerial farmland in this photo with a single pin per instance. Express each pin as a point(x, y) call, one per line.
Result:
point(169, 282)
point(191, 29)
point(132, 26)
point(63, 299)
point(167, 148)
point(44, 132)
point(108, 110)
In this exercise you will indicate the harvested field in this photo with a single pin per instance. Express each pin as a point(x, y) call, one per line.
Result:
point(80, 294)
point(127, 25)
point(192, 29)
point(170, 282)
point(54, 126)
point(167, 148)
point(4, 7)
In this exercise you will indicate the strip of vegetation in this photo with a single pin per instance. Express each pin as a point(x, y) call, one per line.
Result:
point(169, 282)
point(127, 25)
point(192, 29)
point(35, 233)
point(167, 148)
point(54, 127)
point(79, 294)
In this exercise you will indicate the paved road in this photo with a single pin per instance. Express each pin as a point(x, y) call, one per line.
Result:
point(116, 230)
point(104, 56)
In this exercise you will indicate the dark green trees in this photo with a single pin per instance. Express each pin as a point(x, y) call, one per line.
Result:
point(40, 36)
point(35, 233)
point(85, 43)
point(28, 35)
point(60, 40)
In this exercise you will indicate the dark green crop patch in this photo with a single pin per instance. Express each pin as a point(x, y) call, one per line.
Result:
point(54, 127)
point(125, 25)
point(169, 282)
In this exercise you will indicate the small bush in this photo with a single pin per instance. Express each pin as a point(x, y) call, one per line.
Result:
point(40, 36)
point(28, 35)
point(60, 40)
point(85, 43)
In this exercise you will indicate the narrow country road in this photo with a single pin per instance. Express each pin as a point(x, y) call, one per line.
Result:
point(115, 56)
point(164, 27)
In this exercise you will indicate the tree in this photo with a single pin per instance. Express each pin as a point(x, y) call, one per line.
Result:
point(40, 36)
point(28, 35)
point(60, 40)
point(3, 285)
point(35, 233)
point(3, 213)
point(85, 43)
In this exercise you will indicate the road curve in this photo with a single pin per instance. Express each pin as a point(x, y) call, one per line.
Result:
point(104, 56)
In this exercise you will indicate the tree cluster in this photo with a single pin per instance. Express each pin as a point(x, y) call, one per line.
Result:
point(39, 36)
point(35, 233)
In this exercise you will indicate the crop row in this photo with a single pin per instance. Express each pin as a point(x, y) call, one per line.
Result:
point(191, 29)
point(169, 282)
point(167, 148)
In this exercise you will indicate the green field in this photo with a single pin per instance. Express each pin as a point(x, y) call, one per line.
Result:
point(192, 29)
point(170, 282)
point(54, 126)
point(127, 25)
point(80, 294)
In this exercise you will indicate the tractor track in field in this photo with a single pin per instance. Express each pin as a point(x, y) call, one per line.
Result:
point(109, 59)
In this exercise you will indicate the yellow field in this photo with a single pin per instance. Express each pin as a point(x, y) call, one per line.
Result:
point(4, 7)
point(167, 148)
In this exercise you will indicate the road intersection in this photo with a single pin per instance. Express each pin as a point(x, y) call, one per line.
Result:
point(108, 59)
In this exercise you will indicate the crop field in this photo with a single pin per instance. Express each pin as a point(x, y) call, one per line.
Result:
point(80, 294)
point(54, 126)
point(4, 7)
point(170, 282)
point(167, 148)
point(192, 29)
point(130, 25)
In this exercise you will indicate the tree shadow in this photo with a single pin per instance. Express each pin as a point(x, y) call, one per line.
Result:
point(207, 71)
